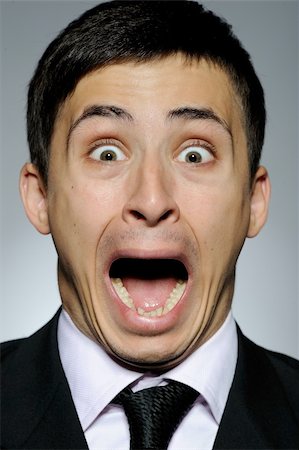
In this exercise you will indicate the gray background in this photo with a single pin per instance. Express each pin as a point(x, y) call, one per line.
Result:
point(266, 297)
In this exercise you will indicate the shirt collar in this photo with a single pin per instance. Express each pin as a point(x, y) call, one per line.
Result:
point(95, 378)
point(210, 369)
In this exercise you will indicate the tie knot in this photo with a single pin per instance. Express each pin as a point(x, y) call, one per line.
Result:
point(154, 414)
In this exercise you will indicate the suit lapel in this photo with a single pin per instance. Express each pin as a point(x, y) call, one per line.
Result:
point(257, 413)
point(39, 411)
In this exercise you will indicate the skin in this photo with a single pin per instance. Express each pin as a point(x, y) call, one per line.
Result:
point(150, 203)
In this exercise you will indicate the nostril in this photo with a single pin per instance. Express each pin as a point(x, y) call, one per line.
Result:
point(137, 215)
point(166, 215)
point(151, 218)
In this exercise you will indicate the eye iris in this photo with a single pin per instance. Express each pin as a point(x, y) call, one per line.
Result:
point(193, 157)
point(108, 155)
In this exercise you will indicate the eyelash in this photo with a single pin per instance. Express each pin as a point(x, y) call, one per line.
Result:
point(199, 143)
point(203, 144)
point(105, 141)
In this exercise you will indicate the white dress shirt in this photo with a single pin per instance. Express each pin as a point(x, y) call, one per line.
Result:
point(95, 379)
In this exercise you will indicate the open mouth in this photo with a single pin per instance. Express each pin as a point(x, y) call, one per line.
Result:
point(151, 287)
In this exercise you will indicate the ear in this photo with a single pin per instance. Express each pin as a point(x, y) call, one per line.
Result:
point(34, 197)
point(259, 204)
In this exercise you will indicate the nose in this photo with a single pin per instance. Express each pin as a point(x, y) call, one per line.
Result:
point(151, 198)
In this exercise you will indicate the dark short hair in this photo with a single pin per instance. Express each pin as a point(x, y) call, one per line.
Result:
point(123, 31)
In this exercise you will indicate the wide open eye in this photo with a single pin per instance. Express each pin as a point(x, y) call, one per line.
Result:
point(107, 153)
point(195, 154)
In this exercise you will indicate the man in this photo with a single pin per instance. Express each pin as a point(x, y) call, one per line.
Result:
point(145, 139)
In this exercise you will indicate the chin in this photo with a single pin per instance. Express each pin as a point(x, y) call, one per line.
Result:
point(146, 359)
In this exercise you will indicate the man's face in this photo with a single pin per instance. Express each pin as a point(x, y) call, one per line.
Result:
point(149, 203)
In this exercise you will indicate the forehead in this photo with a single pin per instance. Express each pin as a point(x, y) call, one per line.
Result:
point(149, 90)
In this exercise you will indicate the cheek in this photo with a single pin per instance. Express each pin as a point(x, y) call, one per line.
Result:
point(78, 218)
point(219, 220)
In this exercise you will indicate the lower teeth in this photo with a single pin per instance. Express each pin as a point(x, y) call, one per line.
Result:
point(171, 302)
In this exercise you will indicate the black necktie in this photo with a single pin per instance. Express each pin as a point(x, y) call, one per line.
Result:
point(154, 414)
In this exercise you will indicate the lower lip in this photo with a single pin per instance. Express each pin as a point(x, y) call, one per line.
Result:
point(133, 322)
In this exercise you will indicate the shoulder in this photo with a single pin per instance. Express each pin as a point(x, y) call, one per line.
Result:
point(284, 366)
point(36, 403)
point(17, 352)
point(276, 372)
point(10, 347)
point(287, 370)
point(283, 362)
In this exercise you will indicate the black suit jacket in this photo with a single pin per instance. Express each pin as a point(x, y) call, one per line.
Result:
point(262, 410)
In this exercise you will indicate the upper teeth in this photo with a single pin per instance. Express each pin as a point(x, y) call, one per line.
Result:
point(172, 300)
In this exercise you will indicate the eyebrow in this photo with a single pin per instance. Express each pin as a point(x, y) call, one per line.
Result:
point(102, 111)
point(185, 113)
point(188, 113)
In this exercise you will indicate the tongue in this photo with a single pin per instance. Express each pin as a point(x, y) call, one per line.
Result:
point(149, 294)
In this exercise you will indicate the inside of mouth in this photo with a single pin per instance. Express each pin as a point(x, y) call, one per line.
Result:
point(150, 286)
